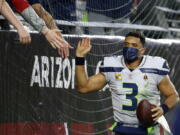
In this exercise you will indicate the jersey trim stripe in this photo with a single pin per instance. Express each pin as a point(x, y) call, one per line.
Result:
point(130, 115)
point(154, 71)
point(111, 69)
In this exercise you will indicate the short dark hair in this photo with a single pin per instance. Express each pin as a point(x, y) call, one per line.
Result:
point(137, 35)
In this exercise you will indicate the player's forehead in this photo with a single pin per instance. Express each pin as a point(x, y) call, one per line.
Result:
point(133, 40)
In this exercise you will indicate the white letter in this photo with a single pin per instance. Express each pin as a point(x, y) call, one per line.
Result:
point(59, 83)
point(66, 63)
point(36, 77)
point(52, 71)
point(66, 128)
point(73, 74)
point(45, 71)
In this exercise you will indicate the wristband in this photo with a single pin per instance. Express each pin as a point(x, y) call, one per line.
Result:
point(165, 108)
point(80, 60)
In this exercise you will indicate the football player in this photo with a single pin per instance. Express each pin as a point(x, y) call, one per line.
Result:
point(131, 77)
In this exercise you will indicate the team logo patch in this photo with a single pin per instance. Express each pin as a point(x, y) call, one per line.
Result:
point(145, 77)
point(118, 76)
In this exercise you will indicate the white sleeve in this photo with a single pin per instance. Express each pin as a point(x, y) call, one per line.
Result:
point(102, 69)
point(163, 70)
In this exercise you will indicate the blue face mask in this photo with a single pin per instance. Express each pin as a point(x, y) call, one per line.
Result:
point(130, 54)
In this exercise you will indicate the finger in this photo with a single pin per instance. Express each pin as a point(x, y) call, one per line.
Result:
point(89, 41)
point(57, 44)
point(155, 109)
point(53, 45)
point(89, 44)
point(29, 40)
point(64, 52)
point(20, 39)
point(60, 35)
point(155, 118)
point(67, 50)
point(155, 114)
point(79, 43)
point(66, 44)
point(61, 39)
point(69, 46)
point(57, 30)
point(63, 42)
point(53, 36)
point(23, 41)
point(83, 42)
point(61, 52)
point(61, 31)
point(86, 42)
point(90, 47)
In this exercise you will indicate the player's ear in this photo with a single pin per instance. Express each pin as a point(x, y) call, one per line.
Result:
point(143, 50)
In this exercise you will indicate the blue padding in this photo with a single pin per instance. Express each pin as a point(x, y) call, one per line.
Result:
point(129, 130)
point(111, 69)
point(154, 71)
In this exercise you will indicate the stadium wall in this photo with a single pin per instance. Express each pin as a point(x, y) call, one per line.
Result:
point(38, 91)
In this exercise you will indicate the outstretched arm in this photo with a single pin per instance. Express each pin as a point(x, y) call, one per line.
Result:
point(6, 11)
point(86, 84)
point(42, 13)
point(50, 23)
point(32, 18)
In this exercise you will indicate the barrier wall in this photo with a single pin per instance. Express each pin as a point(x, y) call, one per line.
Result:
point(38, 91)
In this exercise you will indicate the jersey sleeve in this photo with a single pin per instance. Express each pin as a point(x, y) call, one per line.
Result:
point(102, 69)
point(163, 69)
point(31, 2)
point(20, 5)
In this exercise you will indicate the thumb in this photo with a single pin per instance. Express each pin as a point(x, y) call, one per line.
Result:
point(57, 30)
point(69, 46)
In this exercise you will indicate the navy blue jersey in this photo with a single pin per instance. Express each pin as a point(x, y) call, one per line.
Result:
point(31, 2)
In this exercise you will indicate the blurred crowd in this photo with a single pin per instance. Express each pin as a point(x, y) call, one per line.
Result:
point(145, 12)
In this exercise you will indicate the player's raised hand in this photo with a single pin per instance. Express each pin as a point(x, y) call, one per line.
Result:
point(84, 46)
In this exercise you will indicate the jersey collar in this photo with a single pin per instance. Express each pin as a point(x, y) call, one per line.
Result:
point(140, 65)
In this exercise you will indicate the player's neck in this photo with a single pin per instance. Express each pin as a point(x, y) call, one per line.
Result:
point(135, 64)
